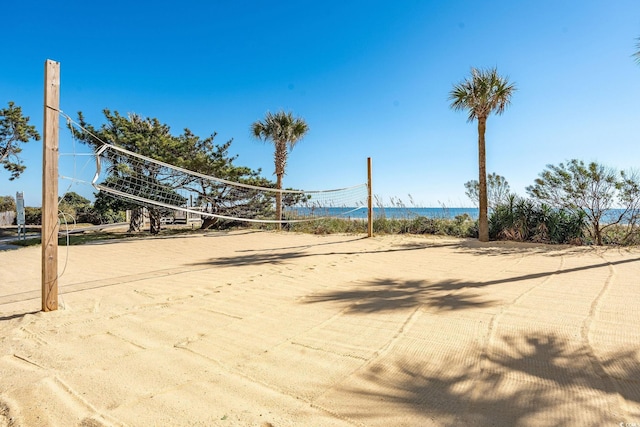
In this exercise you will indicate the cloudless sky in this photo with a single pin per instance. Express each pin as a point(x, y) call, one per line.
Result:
point(370, 77)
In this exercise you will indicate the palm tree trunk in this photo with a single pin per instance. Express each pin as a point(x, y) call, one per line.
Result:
point(281, 163)
point(483, 221)
point(279, 200)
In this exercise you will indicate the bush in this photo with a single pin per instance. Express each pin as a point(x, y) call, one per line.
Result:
point(328, 226)
point(89, 215)
point(33, 216)
point(462, 226)
point(624, 235)
point(524, 220)
point(110, 216)
point(7, 204)
point(76, 208)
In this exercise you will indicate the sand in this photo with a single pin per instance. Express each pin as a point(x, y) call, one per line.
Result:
point(252, 328)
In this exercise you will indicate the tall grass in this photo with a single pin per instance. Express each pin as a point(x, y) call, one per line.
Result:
point(517, 219)
point(409, 223)
point(460, 226)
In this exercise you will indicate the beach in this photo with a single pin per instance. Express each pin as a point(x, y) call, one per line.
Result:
point(257, 328)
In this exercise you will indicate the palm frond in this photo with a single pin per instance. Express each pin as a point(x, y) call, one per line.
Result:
point(481, 94)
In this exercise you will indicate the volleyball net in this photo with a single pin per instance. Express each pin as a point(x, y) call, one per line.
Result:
point(124, 174)
point(179, 192)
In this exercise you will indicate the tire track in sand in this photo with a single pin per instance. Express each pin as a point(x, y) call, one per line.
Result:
point(490, 337)
point(609, 386)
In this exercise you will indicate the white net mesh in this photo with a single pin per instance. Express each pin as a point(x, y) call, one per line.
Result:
point(152, 183)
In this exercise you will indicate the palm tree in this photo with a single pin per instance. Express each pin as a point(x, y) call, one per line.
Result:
point(484, 93)
point(284, 131)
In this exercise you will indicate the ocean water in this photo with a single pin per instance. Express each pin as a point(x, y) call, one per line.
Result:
point(411, 212)
point(448, 213)
point(400, 213)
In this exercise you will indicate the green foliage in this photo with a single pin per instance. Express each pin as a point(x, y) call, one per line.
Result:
point(74, 199)
point(138, 134)
point(75, 208)
point(592, 191)
point(284, 131)
point(111, 217)
point(525, 220)
point(7, 204)
point(111, 209)
point(575, 185)
point(71, 208)
point(621, 235)
point(32, 216)
point(498, 190)
point(329, 226)
point(460, 226)
point(484, 93)
point(14, 130)
point(205, 157)
point(153, 139)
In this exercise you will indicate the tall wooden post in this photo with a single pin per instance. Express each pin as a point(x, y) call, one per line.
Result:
point(50, 186)
point(369, 200)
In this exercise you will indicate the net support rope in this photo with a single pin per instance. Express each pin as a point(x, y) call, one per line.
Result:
point(159, 185)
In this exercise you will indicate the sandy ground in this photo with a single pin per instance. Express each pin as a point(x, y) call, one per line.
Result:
point(272, 329)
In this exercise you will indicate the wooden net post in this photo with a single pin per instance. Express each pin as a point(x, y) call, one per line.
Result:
point(50, 226)
point(369, 200)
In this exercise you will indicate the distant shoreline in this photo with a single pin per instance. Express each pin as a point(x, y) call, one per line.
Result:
point(393, 212)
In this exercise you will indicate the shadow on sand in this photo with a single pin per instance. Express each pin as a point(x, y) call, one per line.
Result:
point(540, 379)
point(388, 294)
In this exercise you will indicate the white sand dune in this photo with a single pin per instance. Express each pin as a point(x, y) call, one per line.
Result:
point(255, 328)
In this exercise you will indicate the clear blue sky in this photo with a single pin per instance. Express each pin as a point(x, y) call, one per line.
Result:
point(370, 77)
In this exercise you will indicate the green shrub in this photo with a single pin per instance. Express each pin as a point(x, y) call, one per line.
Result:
point(525, 220)
point(7, 204)
point(33, 216)
point(624, 235)
point(328, 226)
point(110, 216)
